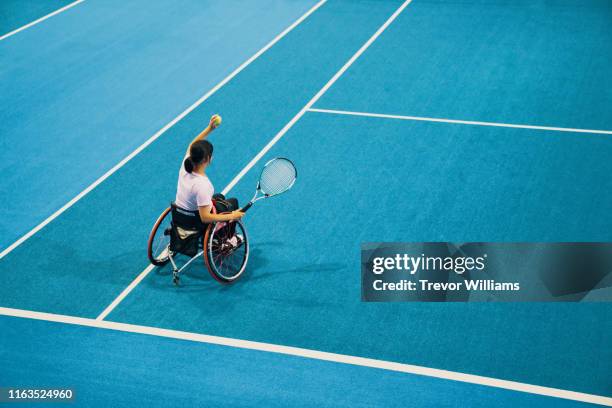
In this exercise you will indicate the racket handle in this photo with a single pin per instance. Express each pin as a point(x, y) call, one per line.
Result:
point(246, 207)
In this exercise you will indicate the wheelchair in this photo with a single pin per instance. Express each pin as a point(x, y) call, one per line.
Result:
point(223, 246)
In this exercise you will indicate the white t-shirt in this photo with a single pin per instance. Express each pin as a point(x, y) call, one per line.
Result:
point(193, 190)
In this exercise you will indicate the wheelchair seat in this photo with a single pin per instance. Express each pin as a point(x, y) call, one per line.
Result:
point(186, 231)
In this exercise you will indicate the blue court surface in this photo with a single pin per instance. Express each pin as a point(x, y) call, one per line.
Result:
point(423, 120)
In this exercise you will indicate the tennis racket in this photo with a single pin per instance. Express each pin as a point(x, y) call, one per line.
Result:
point(277, 176)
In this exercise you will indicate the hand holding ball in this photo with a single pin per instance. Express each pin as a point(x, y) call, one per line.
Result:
point(215, 121)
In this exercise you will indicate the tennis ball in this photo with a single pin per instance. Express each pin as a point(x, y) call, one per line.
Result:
point(216, 120)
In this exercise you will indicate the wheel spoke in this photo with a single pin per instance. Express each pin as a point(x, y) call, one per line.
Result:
point(164, 253)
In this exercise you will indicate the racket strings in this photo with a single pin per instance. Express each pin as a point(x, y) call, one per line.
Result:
point(277, 176)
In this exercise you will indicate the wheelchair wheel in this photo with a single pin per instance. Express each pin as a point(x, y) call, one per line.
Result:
point(159, 240)
point(226, 250)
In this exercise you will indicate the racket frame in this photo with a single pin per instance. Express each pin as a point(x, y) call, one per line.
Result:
point(258, 190)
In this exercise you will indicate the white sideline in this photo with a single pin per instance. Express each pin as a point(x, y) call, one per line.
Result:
point(313, 354)
point(157, 134)
point(461, 122)
point(7, 35)
point(275, 139)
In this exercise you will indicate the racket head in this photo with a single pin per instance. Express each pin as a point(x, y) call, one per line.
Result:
point(277, 176)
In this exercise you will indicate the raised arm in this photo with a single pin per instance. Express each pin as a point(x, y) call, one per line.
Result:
point(215, 120)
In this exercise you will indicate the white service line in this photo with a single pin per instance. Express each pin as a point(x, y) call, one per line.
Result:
point(7, 35)
point(461, 122)
point(313, 354)
point(157, 134)
point(275, 139)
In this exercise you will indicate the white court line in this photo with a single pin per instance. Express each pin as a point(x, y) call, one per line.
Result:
point(314, 354)
point(125, 292)
point(315, 98)
point(7, 35)
point(275, 139)
point(157, 134)
point(461, 122)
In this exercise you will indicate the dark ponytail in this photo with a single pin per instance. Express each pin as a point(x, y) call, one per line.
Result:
point(199, 152)
point(188, 164)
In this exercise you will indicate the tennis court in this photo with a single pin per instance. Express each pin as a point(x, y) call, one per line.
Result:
point(409, 121)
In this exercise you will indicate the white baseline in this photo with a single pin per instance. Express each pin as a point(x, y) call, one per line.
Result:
point(33, 23)
point(461, 122)
point(267, 147)
point(157, 134)
point(314, 354)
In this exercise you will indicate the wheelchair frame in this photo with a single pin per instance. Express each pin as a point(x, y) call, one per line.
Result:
point(189, 222)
